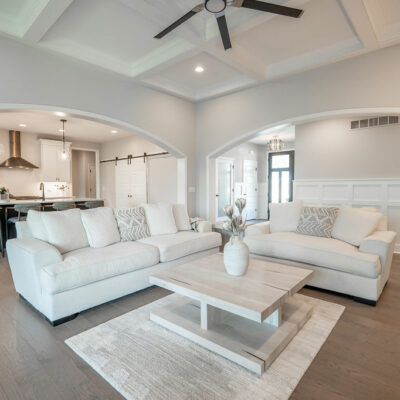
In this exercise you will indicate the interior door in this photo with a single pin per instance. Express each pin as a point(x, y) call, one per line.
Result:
point(130, 183)
point(91, 189)
point(250, 188)
point(280, 177)
point(224, 185)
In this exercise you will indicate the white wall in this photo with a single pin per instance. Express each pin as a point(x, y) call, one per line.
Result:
point(33, 76)
point(80, 177)
point(329, 150)
point(162, 172)
point(364, 82)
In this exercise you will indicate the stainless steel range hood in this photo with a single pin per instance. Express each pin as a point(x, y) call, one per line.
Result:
point(15, 160)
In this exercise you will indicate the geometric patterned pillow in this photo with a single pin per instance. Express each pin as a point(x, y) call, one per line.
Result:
point(132, 223)
point(317, 221)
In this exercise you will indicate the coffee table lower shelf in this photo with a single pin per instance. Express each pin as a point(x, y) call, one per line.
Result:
point(248, 343)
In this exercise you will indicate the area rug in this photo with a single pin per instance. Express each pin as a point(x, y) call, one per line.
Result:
point(142, 360)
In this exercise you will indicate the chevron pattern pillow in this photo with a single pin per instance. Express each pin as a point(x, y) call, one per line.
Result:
point(317, 221)
point(132, 223)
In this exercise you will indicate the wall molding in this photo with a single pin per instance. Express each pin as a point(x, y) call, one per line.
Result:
point(381, 193)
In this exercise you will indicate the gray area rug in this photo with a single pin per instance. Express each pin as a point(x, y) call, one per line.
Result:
point(144, 361)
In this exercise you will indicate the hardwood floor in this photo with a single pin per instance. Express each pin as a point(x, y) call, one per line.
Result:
point(360, 360)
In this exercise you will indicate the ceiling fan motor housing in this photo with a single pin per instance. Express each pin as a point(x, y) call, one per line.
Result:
point(215, 6)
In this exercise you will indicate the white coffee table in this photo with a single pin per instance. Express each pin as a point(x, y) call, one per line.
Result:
point(248, 320)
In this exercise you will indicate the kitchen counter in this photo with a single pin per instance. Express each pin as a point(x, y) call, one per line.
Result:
point(12, 202)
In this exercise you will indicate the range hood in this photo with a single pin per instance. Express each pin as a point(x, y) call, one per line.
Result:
point(15, 160)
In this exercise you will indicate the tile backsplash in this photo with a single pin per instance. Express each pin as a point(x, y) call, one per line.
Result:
point(57, 189)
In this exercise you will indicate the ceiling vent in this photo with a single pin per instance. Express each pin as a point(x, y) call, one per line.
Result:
point(373, 122)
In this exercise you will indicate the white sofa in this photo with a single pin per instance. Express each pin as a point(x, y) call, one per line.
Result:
point(60, 285)
point(359, 271)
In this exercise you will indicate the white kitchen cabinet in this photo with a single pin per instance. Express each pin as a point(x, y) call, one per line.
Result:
point(53, 167)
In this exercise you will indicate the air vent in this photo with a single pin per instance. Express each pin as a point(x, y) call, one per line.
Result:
point(373, 122)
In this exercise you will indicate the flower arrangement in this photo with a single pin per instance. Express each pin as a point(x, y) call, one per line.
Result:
point(3, 190)
point(236, 223)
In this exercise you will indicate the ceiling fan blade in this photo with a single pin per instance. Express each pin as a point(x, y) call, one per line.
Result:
point(272, 8)
point(223, 29)
point(180, 21)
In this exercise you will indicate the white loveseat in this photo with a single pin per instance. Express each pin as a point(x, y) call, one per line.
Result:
point(60, 284)
point(360, 270)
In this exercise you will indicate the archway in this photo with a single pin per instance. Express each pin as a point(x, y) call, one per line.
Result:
point(211, 157)
point(181, 157)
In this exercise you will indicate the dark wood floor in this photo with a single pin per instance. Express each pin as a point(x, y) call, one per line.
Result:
point(360, 360)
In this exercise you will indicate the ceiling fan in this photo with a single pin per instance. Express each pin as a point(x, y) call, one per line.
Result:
point(218, 7)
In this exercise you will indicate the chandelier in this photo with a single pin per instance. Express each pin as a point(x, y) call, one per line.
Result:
point(276, 144)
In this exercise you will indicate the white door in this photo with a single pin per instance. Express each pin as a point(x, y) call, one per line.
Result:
point(130, 183)
point(91, 187)
point(250, 188)
point(224, 185)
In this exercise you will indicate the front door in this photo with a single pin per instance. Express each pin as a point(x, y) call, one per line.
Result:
point(224, 185)
point(280, 177)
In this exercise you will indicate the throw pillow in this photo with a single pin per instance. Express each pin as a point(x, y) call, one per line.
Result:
point(131, 223)
point(284, 217)
point(181, 216)
point(160, 218)
point(36, 226)
point(100, 226)
point(352, 225)
point(317, 221)
point(64, 229)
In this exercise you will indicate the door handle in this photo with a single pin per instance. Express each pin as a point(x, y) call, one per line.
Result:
point(217, 195)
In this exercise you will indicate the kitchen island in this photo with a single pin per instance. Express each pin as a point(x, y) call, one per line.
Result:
point(7, 208)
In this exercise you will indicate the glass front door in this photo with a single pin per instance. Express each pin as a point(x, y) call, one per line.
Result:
point(280, 177)
point(224, 186)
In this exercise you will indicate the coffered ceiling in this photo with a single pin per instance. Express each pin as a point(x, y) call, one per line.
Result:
point(118, 35)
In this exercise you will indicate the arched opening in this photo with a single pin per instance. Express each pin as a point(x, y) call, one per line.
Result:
point(298, 120)
point(179, 166)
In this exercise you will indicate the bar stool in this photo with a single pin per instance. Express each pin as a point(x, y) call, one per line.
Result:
point(94, 204)
point(62, 206)
point(19, 209)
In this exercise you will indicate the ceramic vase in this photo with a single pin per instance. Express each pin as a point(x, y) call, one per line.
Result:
point(236, 256)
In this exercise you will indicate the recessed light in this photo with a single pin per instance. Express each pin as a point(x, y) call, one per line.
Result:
point(114, 131)
point(199, 69)
point(22, 125)
point(60, 114)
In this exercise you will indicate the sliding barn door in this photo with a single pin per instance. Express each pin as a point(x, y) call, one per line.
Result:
point(130, 183)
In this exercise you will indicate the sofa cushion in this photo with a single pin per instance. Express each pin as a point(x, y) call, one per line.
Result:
point(284, 217)
point(182, 244)
point(131, 223)
point(84, 266)
point(317, 221)
point(64, 229)
point(160, 218)
point(36, 225)
point(323, 252)
point(100, 226)
point(181, 216)
point(352, 225)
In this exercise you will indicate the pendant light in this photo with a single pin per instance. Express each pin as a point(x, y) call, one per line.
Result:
point(275, 144)
point(64, 154)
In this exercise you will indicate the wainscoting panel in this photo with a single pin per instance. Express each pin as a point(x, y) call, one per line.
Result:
point(383, 194)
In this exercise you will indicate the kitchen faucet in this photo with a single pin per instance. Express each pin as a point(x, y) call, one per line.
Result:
point(41, 187)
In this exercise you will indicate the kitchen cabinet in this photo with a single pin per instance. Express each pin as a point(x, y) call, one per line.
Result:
point(53, 167)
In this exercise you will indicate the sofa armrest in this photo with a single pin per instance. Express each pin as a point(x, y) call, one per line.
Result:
point(381, 243)
point(26, 258)
point(258, 229)
point(204, 226)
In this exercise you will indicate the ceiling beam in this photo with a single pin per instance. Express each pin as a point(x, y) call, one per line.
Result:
point(360, 22)
point(44, 19)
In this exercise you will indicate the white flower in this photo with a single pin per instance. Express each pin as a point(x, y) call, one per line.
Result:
point(240, 204)
point(228, 210)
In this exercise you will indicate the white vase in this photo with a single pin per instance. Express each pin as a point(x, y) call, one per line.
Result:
point(236, 256)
